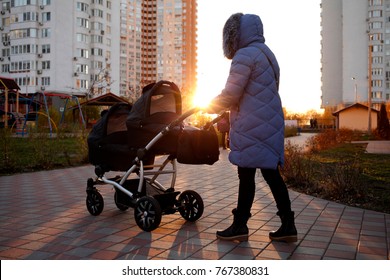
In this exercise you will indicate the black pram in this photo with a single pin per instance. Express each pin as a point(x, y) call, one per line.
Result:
point(128, 138)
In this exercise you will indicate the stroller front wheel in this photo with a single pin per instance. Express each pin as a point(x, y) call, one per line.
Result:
point(147, 213)
point(190, 205)
point(95, 203)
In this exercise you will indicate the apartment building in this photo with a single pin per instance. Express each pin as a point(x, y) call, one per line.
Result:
point(98, 46)
point(158, 42)
point(65, 46)
point(355, 52)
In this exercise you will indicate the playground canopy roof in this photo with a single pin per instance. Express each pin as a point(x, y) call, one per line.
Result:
point(108, 99)
point(8, 83)
point(12, 96)
point(63, 94)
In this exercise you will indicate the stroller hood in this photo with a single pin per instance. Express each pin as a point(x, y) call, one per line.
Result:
point(161, 97)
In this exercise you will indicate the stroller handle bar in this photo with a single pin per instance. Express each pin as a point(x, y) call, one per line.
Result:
point(192, 111)
point(183, 117)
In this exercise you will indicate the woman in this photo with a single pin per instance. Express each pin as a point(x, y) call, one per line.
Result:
point(257, 123)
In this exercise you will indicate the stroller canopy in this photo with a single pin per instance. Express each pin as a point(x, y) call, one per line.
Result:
point(161, 97)
point(112, 122)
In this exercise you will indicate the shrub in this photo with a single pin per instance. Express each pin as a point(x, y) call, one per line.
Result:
point(298, 168)
point(331, 138)
point(344, 181)
point(383, 124)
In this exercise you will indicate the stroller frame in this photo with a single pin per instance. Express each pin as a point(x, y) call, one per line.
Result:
point(148, 210)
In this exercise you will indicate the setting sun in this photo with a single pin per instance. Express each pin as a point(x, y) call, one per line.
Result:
point(202, 98)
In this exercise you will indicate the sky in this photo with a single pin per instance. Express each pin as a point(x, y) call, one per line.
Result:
point(291, 30)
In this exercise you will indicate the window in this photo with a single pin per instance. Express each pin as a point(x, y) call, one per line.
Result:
point(377, 60)
point(376, 83)
point(82, 53)
point(28, 16)
point(46, 64)
point(82, 84)
point(96, 39)
point(46, 48)
point(82, 22)
point(377, 94)
point(97, 65)
point(21, 66)
point(377, 71)
point(376, 37)
point(375, 2)
point(377, 48)
point(82, 7)
point(46, 16)
point(45, 81)
point(21, 49)
point(375, 14)
point(80, 37)
point(23, 33)
point(97, 26)
point(18, 3)
point(97, 13)
point(97, 51)
point(46, 33)
point(82, 68)
point(375, 25)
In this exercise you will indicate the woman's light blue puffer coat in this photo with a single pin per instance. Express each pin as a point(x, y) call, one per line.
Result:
point(251, 95)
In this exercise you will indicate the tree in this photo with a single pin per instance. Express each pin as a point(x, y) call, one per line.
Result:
point(383, 123)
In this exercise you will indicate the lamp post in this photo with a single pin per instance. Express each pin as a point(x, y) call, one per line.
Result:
point(370, 48)
point(355, 87)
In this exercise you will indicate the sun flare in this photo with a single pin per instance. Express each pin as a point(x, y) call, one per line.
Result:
point(201, 99)
point(206, 91)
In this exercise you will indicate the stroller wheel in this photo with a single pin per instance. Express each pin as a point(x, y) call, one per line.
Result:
point(147, 213)
point(95, 203)
point(190, 205)
point(118, 204)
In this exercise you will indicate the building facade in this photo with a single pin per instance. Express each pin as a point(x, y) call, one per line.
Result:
point(158, 42)
point(355, 52)
point(98, 46)
point(66, 46)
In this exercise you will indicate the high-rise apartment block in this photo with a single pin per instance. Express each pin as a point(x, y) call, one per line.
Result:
point(158, 42)
point(355, 52)
point(98, 46)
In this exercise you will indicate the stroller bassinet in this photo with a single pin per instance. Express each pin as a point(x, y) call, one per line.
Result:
point(107, 141)
point(127, 138)
point(159, 105)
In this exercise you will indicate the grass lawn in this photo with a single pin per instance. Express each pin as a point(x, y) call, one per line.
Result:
point(40, 153)
point(347, 174)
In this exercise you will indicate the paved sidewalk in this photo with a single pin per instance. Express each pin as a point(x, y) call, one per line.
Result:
point(43, 216)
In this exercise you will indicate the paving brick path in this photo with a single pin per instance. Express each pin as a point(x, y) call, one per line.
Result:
point(43, 216)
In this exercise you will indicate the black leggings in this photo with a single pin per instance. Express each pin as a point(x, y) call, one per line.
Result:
point(247, 186)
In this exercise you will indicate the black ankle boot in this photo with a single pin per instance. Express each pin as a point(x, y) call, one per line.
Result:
point(238, 230)
point(287, 232)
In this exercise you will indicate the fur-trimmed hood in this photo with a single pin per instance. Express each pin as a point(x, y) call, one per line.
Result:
point(241, 30)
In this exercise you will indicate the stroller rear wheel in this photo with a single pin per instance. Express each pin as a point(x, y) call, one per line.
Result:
point(190, 205)
point(94, 202)
point(147, 213)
